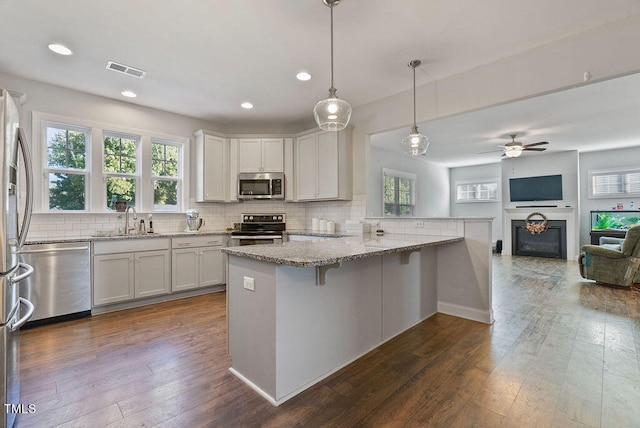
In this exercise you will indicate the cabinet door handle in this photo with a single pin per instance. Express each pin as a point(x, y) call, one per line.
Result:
point(182, 244)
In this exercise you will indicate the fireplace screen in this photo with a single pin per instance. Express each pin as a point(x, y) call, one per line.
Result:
point(551, 243)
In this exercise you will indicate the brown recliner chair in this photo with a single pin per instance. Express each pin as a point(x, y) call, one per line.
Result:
point(609, 266)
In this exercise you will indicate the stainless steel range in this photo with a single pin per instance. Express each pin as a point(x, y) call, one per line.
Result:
point(259, 229)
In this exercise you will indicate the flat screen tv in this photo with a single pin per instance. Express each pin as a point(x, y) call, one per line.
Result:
point(540, 188)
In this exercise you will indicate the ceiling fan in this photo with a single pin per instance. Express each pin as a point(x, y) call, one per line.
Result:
point(515, 148)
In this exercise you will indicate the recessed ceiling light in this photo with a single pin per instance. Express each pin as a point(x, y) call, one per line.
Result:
point(129, 94)
point(246, 105)
point(304, 76)
point(60, 49)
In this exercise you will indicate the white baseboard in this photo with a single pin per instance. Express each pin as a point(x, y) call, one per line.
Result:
point(473, 314)
point(253, 386)
point(96, 310)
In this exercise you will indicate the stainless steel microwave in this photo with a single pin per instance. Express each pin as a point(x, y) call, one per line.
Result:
point(261, 185)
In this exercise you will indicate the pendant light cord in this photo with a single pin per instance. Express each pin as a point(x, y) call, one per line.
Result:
point(414, 96)
point(331, 8)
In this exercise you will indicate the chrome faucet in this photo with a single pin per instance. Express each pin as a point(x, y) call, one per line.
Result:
point(128, 229)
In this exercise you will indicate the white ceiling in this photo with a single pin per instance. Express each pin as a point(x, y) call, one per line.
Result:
point(204, 57)
point(600, 116)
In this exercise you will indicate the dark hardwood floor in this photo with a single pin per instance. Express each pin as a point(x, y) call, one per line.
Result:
point(563, 352)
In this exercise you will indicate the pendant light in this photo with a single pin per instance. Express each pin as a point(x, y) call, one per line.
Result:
point(415, 144)
point(332, 113)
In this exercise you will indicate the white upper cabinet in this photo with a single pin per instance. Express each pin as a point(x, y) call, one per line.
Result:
point(261, 154)
point(306, 165)
point(216, 168)
point(323, 168)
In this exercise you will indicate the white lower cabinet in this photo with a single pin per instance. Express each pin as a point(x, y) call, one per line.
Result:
point(151, 273)
point(113, 278)
point(127, 270)
point(133, 269)
point(197, 262)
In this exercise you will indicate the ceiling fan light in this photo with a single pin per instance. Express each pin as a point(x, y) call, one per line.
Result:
point(513, 152)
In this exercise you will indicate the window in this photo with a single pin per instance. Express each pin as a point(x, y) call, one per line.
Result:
point(166, 175)
point(120, 170)
point(616, 182)
point(88, 166)
point(66, 170)
point(398, 193)
point(478, 191)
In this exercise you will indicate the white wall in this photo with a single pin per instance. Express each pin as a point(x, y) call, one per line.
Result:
point(565, 163)
point(619, 158)
point(480, 209)
point(575, 183)
point(49, 99)
point(66, 102)
point(549, 68)
point(545, 69)
point(432, 182)
point(41, 97)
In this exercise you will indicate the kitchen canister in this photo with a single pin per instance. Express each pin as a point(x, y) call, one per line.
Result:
point(315, 224)
point(331, 227)
point(323, 225)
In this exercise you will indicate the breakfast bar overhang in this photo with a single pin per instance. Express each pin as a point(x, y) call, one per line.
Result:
point(300, 311)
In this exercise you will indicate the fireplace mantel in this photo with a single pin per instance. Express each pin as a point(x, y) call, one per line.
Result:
point(567, 214)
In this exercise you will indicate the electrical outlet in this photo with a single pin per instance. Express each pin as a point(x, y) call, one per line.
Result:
point(419, 223)
point(249, 283)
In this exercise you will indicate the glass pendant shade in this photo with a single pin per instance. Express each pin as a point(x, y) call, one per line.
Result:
point(332, 114)
point(415, 144)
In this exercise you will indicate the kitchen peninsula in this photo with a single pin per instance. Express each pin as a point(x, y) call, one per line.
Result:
point(299, 311)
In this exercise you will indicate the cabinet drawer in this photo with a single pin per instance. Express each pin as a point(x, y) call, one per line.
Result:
point(198, 241)
point(130, 245)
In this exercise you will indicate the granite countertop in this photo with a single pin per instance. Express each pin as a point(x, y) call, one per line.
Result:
point(307, 232)
point(330, 251)
point(95, 238)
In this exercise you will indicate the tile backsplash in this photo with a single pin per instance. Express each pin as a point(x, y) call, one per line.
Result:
point(217, 217)
point(419, 226)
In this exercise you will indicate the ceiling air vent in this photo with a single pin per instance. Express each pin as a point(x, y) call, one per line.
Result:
point(121, 68)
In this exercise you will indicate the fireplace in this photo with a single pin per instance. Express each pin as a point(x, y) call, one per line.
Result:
point(551, 243)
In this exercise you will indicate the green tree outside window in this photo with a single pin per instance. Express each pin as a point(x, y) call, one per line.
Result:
point(120, 157)
point(66, 153)
point(398, 196)
point(164, 166)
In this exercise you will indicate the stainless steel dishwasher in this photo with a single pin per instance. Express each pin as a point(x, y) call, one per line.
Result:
point(60, 287)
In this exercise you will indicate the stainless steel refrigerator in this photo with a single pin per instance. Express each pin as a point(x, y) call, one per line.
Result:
point(14, 310)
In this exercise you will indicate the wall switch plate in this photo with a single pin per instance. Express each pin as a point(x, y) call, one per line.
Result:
point(249, 283)
point(419, 223)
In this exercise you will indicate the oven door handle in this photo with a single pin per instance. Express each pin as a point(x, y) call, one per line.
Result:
point(256, 237)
